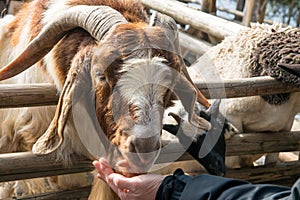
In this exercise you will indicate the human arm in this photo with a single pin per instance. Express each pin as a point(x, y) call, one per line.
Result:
point(210, 187)
point(135, 188)
point(184, 187)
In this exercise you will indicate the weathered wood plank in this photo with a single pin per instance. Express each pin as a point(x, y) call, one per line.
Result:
point(267, 173)
point(191, 1)
point(74, 194)
point(256, 143)
point(193, 44)
point(230, 11)
point(199, 20)
point(259, 174)
point(16, 166)
point(237, 13)
point(25, 165)
point(26, 95)
point(46, 94)
point(244, 87)
point(244, 144)
point(248, 10)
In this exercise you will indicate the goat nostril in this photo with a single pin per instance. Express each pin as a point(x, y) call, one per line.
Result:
point(144, 145)
point(132, 146)
point(142, 152)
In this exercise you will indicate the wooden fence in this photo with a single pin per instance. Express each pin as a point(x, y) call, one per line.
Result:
point(17, 166)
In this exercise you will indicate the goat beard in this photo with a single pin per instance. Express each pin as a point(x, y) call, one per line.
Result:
point(125, 164)
point(120, 164)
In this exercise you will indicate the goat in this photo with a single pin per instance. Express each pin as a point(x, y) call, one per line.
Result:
point(106, 61)
point(262, 50)
point(210, 143)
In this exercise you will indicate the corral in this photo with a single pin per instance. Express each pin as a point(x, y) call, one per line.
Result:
point(17, 166)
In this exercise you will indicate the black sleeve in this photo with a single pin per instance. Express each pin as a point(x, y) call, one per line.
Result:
point(210, 187)
point(172, 186)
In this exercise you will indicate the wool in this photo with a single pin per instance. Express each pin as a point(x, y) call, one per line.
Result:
point(252, 52)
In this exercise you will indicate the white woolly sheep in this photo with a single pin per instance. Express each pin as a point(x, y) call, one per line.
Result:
point(259, 51)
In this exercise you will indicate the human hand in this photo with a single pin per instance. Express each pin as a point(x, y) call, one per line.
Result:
point(135, 188)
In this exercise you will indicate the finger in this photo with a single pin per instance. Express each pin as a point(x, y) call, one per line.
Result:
point(114, 186)
point(100, 176)
point(106, 170)
point(103, 168)
point(96, 164)
point(122, 193)
point(122, 182)
point(104, 162)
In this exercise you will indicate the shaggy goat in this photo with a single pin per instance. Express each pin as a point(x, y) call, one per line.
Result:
point(262, 50)
point(105, 61)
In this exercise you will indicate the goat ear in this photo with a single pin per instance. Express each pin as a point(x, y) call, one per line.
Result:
point(53, 137)
point(75, 106)
point(187, 94)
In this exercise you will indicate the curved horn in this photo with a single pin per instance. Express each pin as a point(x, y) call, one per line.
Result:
point(97, 20)
point(170, 26)
point(200, 97)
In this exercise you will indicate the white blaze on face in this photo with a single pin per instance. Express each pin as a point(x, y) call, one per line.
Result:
point(144, 84)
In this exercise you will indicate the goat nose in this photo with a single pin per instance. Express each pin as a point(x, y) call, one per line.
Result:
point(146, 149)
point(144, 145)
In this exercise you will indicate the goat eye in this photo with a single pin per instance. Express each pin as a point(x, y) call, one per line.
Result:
point(100, 76)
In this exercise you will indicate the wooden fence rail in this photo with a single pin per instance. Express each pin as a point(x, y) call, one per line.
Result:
point(16, 166)
point(253, 174)
point(27, 95)
point(193, 44)
point(212, 25)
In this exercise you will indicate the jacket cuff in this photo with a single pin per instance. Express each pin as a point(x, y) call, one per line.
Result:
point(172, 186)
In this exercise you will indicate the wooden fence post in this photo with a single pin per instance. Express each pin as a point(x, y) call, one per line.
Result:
point(254, 11)
point(209, 6)
point(259, 11)
point(240, 7)
point(248, 10)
